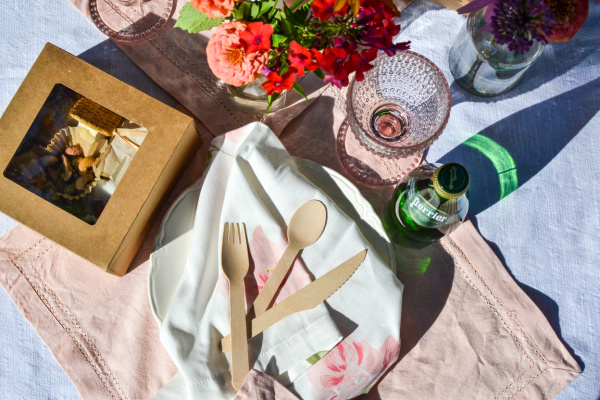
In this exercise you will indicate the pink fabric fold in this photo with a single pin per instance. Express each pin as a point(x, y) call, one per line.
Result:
point(258, 385)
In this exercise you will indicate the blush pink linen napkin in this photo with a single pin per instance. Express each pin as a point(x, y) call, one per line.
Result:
point(99, 327)
point(469, 332)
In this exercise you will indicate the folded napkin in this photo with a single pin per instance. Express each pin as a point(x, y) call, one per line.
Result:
point(252, 179)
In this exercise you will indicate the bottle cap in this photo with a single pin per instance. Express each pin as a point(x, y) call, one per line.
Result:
point(451, 180)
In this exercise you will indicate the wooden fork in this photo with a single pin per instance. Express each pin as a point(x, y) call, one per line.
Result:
point(234, 259)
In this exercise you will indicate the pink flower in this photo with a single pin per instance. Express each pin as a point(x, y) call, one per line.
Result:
point(351, 368)
point(265, 253)
point(227, 58)
point(214, 8)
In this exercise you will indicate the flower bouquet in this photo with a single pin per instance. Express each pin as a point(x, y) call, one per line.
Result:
point(502, 39)
point(276, 44)
point(518, 23)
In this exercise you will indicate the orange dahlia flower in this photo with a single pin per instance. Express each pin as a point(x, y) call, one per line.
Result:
point(570, 16)
point(227, 58)
point(214, 8)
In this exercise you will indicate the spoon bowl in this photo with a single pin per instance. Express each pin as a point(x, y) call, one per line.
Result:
point(307, 224)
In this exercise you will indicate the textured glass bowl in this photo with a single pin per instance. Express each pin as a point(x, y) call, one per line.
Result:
point(401, 106)
point(130, 20)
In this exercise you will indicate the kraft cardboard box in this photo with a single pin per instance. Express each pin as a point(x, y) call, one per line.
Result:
point(86, 160)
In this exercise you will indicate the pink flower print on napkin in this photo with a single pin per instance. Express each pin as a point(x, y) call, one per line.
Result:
point(351, 367)
point(237, 135)
point(264, 255)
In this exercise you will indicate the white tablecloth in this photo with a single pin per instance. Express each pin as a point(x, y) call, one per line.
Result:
point(532, 154)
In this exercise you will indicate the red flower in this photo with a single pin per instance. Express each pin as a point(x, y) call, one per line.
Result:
point(323, 9)
point(362, 62)
point(378, 27)
point(300, 58)
point(256, 37)
point(335, 66)
point(277, 84)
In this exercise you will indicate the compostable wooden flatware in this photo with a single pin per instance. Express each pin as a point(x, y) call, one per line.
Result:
point(234, 260)
point(306, 298)
point(305, 227)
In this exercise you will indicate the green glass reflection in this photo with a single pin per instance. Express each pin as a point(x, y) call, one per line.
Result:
point(501, 159)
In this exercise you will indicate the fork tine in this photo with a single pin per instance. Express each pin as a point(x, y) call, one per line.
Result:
point(243, 233)
point(225, 232)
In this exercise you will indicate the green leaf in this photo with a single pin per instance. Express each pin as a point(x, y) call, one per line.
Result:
point(299, 89)
point(291, 17)
point(246, 9)
point(265, 6)
point(237, 13)
point(271, 98)
point(296, 4)
point(278, 39)
point(302, 12)
point(288, 28)
point(254, 10)
point(316, 357)
point(194, 21)
point(318, 72)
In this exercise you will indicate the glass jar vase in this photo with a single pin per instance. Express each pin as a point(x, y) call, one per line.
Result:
point(483, 67)
point(252, 98)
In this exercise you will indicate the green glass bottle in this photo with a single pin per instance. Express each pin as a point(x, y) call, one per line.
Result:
point(432, 202)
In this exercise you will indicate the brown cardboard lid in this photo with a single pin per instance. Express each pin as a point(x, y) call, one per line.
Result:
point(100, 242)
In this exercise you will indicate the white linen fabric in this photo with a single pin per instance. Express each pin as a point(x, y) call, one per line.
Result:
point(252, 179)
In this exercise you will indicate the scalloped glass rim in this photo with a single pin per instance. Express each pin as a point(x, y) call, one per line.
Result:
point(382, 147)
point(124, 36)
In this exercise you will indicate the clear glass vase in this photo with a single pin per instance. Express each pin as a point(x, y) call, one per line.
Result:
point(252, 98)
point(483, 67)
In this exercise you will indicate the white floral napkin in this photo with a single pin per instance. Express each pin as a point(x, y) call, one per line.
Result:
point(252, 179)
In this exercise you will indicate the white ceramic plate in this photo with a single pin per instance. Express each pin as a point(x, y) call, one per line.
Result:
point(169, 258)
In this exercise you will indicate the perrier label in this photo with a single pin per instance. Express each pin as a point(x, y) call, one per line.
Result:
point(432, 202)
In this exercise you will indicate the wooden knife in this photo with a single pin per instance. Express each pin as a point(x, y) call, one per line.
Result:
point(306, 298)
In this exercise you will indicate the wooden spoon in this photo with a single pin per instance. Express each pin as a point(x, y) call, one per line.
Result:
point(305, 227)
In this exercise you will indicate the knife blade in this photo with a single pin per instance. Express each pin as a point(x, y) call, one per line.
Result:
point(306, 298)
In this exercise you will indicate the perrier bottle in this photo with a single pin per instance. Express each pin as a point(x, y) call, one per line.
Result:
point(432, 202)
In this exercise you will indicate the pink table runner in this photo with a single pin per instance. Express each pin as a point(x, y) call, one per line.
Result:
point(468, 330)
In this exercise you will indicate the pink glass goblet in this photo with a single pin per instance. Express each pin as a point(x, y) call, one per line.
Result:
point(392, 116)
point(130, 20)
